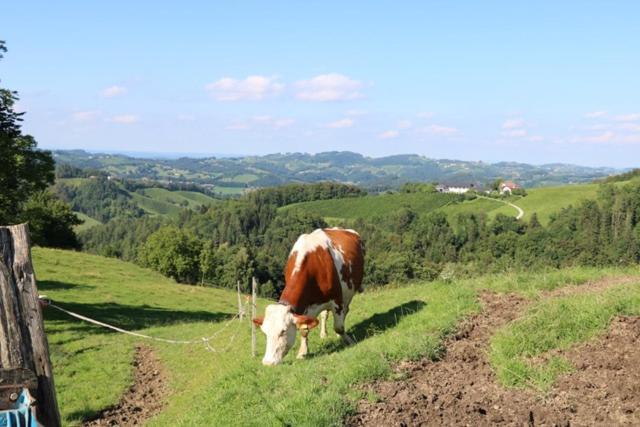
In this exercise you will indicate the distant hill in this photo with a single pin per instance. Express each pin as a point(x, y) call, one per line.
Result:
point(229, 175)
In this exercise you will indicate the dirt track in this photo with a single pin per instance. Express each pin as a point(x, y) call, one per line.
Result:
point(143, 400)
point(461, 389)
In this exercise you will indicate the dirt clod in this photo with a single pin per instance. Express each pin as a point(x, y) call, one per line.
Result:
point(461, 388)
point(144, 399)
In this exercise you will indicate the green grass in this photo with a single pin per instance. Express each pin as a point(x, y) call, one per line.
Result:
point(228, 387)
point(547, 200)
point(87, 224)
point(472, 206)
point(198, 198)
point(543, 201)
point(229, 191)
point(530, 284)
point(154, 206)
point(176, 198)
point(93, 366)
point(374, 205)
point(556, 324)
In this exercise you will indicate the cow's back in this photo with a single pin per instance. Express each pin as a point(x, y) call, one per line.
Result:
point(348, 245)
point(323, 265)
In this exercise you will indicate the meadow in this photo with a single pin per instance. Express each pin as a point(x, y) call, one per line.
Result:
point(228, 387)
point(543, 201)
point(375, 205)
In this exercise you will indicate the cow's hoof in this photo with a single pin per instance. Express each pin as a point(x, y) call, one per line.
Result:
point(301, 356)
point(347, 339)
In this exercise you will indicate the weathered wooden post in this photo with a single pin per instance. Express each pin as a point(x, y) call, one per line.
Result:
point(23, 343)
point(240, 306)
point(254, 297)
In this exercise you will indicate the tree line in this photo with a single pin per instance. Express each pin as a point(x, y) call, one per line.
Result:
point(250, 236)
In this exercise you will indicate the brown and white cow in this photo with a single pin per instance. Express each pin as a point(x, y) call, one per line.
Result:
point(323, 273)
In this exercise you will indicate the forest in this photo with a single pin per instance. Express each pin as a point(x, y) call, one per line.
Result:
point(250, 236)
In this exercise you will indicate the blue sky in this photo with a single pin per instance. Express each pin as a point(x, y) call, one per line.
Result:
point(541, 82)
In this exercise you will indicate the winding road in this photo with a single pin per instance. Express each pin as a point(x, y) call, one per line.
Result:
point(517, 208)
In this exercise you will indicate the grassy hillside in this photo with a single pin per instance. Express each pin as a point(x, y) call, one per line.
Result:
point(186, 199)
point(228, 387)
point(544, 201)
point(345, 167)
point(88, 222)
point(547, 200)
point(374, 205)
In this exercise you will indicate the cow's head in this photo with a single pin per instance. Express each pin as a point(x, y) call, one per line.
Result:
point(279, 324)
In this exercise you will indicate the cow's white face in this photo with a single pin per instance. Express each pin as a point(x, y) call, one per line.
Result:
point(279, 325)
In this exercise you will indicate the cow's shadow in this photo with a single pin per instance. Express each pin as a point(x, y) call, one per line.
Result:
point(371, 326)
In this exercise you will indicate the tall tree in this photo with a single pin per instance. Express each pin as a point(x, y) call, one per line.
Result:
point(24, 170)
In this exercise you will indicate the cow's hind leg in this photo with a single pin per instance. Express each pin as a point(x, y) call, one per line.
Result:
point(324, 315)
point(339, 316)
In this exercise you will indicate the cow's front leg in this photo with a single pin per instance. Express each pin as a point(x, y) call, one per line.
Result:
point(339, 317)
point(324, 315)
point(304, 349)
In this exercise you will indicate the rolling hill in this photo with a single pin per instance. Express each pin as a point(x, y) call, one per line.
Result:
point(543, 201)
point(237, 174)
point(152, 201)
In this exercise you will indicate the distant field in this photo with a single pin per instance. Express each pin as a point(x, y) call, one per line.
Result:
point(547, 200)
point(374, 205)
point(87, 224)
point(72, 182)
point(181, 199)
point(229, 191)
point(544, 201)
point(153, 206)
point(198, 198)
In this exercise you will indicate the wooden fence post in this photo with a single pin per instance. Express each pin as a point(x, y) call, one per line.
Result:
point(23, 343)
point(254, 296)
point(240, 306)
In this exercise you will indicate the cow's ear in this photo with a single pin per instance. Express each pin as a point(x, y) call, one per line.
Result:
point(258, 320)
point(306, 322)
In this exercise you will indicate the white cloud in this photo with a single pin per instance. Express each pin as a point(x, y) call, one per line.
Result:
point(515, 133)
point(262, 119)
point(441, 130)
point(536, 138)
point(598, 126)
point(425, 114)
point(281, 123)
point(274, 122)
point(514, 124)
point(631, 139)
point(251, 88)
point(328, 87)
point(125, 119)
point(238, 126)
point(342, 123)
point(600, 138)
point(633, 127)
point(633, 117)
point(389, 134)
point(113, 91)
point(404, 124)
point(595, 114)
point(85, 116)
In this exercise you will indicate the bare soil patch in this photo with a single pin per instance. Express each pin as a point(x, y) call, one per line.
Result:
point(144, 399)
point(592, 286)
point(461, 388)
